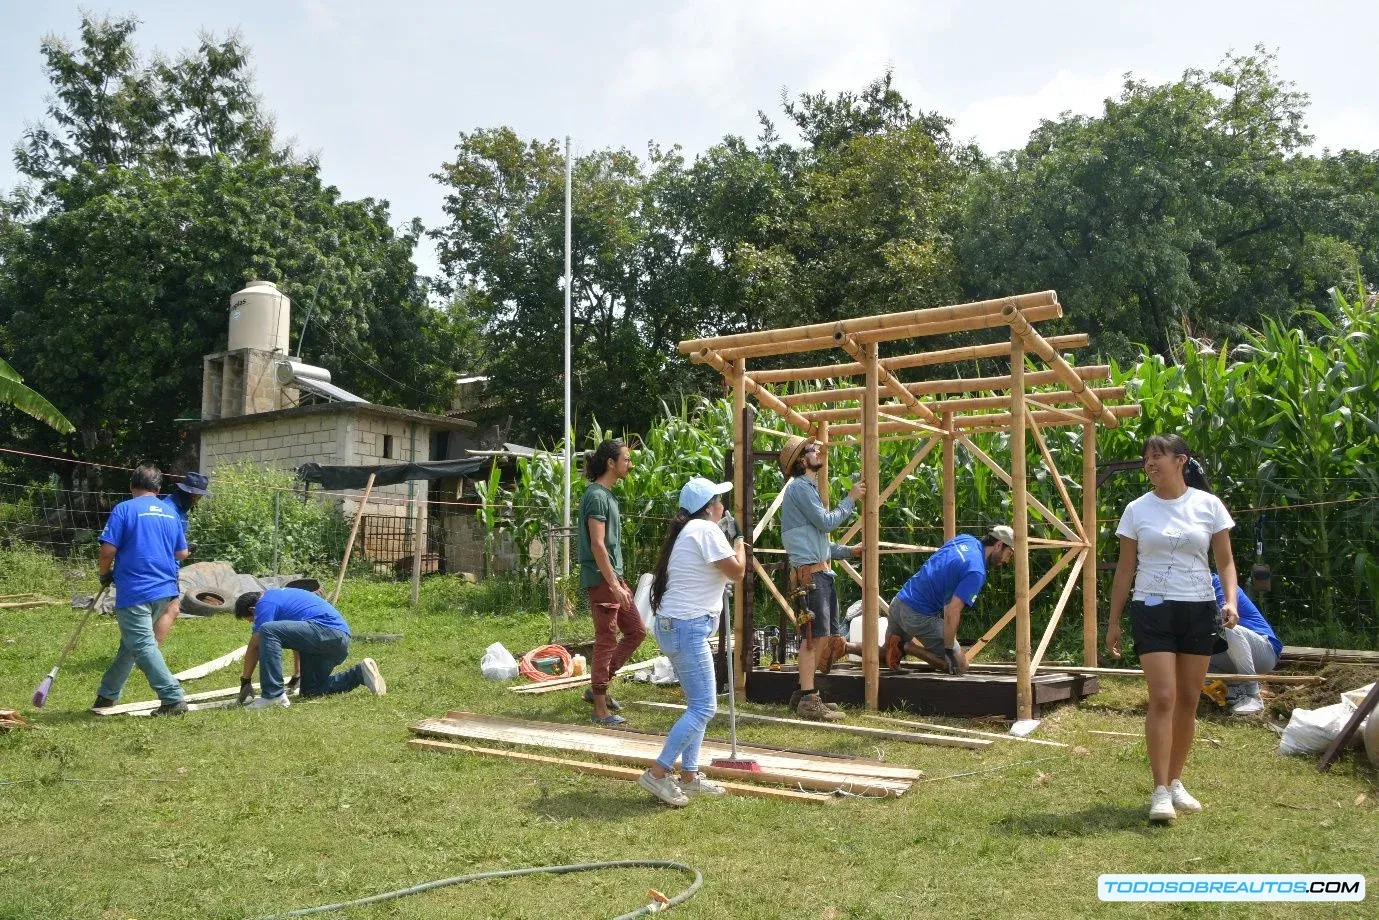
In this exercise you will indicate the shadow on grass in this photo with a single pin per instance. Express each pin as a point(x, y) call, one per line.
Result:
point(591, 806)
point(1099, 819)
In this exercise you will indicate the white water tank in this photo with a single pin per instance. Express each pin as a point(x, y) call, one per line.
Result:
point(260, 316)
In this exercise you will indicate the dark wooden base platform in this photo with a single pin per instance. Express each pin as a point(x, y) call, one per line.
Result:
point(925, 692)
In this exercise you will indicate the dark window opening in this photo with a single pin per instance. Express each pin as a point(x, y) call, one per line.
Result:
point(387, 447)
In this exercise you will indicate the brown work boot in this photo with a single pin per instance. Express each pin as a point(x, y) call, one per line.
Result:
point(795, 701)
point(831, 649)
point(812, 707)
point(895, 650)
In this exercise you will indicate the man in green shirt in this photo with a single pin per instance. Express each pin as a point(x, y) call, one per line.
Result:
point(599, 536)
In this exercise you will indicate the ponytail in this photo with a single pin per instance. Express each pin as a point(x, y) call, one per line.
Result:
point(1194, 476)
point(660, 579)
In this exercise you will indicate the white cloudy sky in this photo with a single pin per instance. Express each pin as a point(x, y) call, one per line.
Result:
point(380, 90)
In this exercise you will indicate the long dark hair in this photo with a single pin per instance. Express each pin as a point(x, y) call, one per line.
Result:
point(1194, 475)
point(604, 454)
point(661, 575)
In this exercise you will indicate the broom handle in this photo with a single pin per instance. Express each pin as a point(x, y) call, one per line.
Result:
point(76, 633)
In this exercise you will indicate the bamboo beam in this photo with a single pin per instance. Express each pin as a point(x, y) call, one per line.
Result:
point(1019, 500)
point(974, 403)
point(871, 361)
point(996, 421)
point(1089, 533)
point(764, 577)
point(950, 485)
point(1000, 624)
point(1010, 479)
point(862, 323)
point(1075, 416)
point(959, 324)
point(951, 385)
point(908, 423)
point(871, 526)
point(783, 435)
point(895, 483)
point(901, 362)
point(349, 544)
point(1032, 340)
point(1052, 467)
point(1068, 586)
point(738, 379)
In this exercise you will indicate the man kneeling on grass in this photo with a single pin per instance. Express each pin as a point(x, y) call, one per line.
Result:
point(311, 626)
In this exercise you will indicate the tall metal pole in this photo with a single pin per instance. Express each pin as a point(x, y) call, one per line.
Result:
point(569, 434)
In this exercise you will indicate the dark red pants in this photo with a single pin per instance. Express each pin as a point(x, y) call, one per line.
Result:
point(611, 616)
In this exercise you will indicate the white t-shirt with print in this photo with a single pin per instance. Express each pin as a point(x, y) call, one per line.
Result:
point(1174, 538)
point(694, 585)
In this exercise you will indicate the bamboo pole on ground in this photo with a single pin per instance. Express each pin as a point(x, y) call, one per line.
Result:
point(742, 455)
point(950, 386)
point(1089, 533)
point(950, 485)
point(349, 545)
point(1032, 340)
point(1024, 687)
point(880, 321)
point(901, 362)
point(871, 531)
point(1068, 586)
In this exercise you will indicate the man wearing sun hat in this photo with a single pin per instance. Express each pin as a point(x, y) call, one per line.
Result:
point(180, 501)
point(924, 616)
point(805, 525)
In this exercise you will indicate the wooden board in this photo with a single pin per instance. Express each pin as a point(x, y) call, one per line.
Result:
point(994, 736)
point(150, 705)
point(213, 665)
point(20, 605)
point(594, 740)
point(624, 773)
point(1323, 655)
point(885, 733)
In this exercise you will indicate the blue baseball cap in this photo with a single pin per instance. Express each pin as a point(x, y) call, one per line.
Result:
point(698, 492)
point(195, 483)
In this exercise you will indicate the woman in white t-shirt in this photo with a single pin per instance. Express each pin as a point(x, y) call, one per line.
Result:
point(695, 565)
point(1164, 538)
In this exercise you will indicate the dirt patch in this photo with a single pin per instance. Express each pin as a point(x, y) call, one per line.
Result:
point(1339, 679)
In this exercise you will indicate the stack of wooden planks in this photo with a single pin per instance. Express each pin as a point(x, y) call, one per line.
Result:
point(814, 777)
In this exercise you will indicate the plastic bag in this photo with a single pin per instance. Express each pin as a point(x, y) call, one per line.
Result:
point(498, 663)
point(642, 598)
point(1310, 731)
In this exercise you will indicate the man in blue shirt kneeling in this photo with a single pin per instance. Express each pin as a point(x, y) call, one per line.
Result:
point(310, 625)
point(924, 617)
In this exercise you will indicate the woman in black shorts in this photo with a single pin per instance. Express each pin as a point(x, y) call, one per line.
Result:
point(1164, 538)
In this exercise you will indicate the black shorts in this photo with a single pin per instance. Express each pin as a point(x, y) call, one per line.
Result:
point(1182, 627)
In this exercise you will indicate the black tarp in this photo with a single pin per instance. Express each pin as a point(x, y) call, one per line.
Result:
point(333, 478)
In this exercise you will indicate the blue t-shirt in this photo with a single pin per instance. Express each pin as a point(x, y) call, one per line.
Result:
point(957, 569)
point(177, 510)
point(296, 604)
point(145, 535)
point(1250, 617)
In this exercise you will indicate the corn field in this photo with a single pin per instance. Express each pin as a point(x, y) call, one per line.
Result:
point(1286, 423)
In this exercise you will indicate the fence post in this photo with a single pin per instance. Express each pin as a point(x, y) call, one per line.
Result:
point(552, 593)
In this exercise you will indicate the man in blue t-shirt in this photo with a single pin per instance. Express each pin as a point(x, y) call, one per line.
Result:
point(307, 623)
point(140, 548)
point(924, 616)
point(1252, 647)
point(180, 501)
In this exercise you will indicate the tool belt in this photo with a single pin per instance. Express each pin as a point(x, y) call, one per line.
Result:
point(801, 583)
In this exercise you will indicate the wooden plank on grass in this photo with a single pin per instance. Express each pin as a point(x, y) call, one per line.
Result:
point(593, 739)
point(149, 705)
point(213, 665)
point(913, 737)
point(623, 773)
point(20, 605)
point(994, 736)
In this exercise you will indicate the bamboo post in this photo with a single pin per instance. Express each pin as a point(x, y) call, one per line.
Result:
point(557, 629)
point(349, 545)
point(1089, 533)
point(820, 434)
point(419, 547)
point(742, 455)
point(1024, 688)
point(950, 486)
point(871, 531)
point(891, 382)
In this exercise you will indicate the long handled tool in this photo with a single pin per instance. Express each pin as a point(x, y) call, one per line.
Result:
point(41, 694)
point(733, 761)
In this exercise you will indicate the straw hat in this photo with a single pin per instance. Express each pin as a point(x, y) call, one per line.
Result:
point(791, 452)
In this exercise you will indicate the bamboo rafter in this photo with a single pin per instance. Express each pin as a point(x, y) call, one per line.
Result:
point(902, 362)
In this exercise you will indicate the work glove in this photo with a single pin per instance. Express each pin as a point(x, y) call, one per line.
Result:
point(728, 524)
point(107, 578)
point(246, 690)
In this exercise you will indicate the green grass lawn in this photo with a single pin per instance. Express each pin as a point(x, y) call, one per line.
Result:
point(235, 814)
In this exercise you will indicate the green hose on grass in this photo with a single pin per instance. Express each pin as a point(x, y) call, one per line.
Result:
point(653, 907)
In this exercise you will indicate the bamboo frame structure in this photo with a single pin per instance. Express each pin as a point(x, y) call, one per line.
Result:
point(933, 413)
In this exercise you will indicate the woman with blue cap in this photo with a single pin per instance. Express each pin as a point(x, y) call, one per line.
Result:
point(695, 564)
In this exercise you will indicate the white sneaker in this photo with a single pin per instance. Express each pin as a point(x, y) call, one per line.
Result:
point(1182, 799)
point(1247, 706)
point(663, 787)
point(701, 785)
point(1161, 805)
point(372, 678)
point(269, 702)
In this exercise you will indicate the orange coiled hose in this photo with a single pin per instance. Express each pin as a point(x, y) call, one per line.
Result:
point(530, 671)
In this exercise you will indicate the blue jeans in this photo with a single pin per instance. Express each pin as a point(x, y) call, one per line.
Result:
point(321, 649)
point(137, 647)
point(686, 644)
